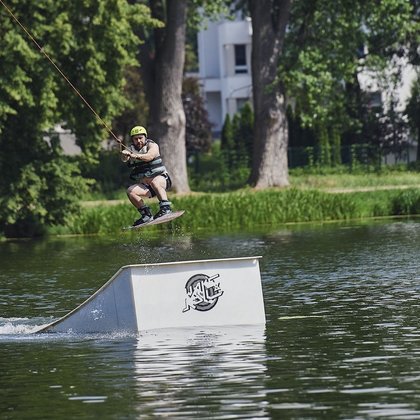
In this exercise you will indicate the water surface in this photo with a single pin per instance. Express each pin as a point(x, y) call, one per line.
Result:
point(341, 340)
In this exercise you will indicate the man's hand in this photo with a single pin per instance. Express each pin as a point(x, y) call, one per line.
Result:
point(125, 155)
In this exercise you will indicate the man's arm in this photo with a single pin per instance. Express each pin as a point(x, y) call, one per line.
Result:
point(152, 152)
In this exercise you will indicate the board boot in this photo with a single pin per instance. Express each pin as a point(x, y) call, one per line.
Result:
point(146, 216)
point(165, 208)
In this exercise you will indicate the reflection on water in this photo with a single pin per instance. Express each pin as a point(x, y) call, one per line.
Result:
point(187, 373)
point(341, 341)
point(173, 373)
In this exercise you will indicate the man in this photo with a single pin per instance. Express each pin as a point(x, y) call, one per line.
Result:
point(150, 175)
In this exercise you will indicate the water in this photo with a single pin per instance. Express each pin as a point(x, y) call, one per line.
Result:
point(341, 340)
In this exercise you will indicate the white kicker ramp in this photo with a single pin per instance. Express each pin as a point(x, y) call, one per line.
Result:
point(166, 295)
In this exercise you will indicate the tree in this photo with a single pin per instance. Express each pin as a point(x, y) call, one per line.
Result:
point(412, 111)
point(227, 142)
point(92, 43)
point(167, 111)
point(237, 138)
point(329, 44)
point(162, 60)
point(137, 107)
point(269, 20)
point(162, 63)
point(45, 193)
point(198, 127)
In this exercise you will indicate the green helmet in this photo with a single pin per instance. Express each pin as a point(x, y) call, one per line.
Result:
point(138, 129)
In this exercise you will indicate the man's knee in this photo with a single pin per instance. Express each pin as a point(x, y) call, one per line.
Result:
point(158, 182)
point(135, 190)
point(138, 191)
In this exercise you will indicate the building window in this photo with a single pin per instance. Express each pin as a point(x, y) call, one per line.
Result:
point(240, 59)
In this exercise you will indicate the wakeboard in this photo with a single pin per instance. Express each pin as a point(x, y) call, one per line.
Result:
point(163, 219)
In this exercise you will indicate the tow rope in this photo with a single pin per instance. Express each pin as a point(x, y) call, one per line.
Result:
point(41, 49)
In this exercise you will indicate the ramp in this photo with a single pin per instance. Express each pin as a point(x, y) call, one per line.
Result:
point(167, 295)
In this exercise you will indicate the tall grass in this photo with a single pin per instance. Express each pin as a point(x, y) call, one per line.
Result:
point(248, 208)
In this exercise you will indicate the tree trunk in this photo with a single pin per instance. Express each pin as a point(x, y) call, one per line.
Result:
point(167, 117)
point(269, 166)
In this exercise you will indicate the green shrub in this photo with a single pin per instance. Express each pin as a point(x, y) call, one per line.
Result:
point(45, 194)
point(407, 202)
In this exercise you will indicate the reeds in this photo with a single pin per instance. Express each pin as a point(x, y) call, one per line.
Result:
point(247, 208)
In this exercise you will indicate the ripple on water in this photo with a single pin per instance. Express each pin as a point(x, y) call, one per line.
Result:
point(342, 337)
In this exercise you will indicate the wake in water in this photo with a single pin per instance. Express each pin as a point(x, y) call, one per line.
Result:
point(21, 326)
point(12, 329)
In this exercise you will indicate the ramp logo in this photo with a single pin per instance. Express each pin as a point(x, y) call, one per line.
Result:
point(203, 292)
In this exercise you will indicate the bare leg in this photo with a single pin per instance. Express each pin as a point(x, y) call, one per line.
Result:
point(136, 193)
point(159, 186)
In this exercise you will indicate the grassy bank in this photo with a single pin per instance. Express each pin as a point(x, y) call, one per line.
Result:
point(248, 208)
point(346, 181)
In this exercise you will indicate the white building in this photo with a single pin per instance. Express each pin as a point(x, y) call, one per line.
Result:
point(224, 54)
point(387, 87)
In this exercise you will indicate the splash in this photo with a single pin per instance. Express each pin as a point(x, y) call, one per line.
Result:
point(19, 326)
point(27, 329)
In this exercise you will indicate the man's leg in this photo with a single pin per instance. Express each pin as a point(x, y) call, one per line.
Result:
point(159, 185)
point(135, 194)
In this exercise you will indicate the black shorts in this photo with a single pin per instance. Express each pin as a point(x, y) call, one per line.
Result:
point(168, 185)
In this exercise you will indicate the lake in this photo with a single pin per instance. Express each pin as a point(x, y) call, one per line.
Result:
point(342, 336)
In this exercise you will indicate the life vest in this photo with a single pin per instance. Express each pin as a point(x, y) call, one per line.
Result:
point(143, 169)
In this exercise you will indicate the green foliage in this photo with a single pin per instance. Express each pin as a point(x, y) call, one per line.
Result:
point(246, 209)
point(328, 44)
point(136, 108)
point(98, 220)
point(228, 164)
point(413, 105)
point(237, 139)
point(407, 202)
point(198, 129)
point(104, 44)
point(110, 174)
point(412, 111)
point(244, 136)
point(324, 146)
point(212, 172)
point(336, 147)
point(228, 141)
point(92, 43)
point(43, 194)
point(200, 12)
